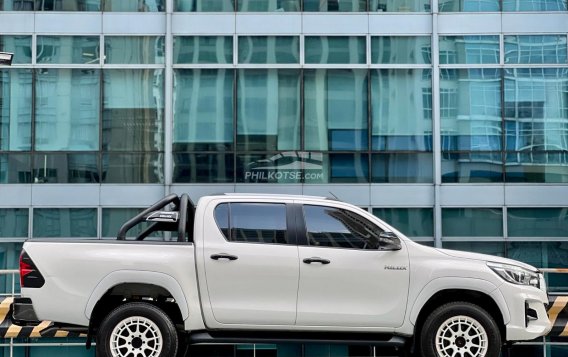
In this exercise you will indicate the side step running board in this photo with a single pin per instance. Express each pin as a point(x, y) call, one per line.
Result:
point(231, 337)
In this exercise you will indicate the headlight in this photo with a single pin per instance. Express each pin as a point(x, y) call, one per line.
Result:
point(515, 274)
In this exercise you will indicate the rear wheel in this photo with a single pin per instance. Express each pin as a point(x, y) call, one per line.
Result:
point(137, 330)
point(460, 329)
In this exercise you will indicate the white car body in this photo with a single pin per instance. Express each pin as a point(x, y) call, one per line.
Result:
point(268, 288)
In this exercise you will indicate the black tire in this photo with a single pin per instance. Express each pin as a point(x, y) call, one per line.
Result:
point(149, 319)
point(443, 322)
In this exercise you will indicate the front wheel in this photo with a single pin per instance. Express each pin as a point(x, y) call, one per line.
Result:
point(460, 329)
point(137, 330)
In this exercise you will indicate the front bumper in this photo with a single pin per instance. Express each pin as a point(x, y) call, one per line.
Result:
point(527, 310)
point(23, 313)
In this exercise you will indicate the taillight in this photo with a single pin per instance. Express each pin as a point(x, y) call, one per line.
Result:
point(30, 277)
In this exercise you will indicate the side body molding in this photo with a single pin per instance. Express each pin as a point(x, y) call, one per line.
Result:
point(460, 283)
point(141, 277)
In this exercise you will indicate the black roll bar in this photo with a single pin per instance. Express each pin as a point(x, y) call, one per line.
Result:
point(173, 198)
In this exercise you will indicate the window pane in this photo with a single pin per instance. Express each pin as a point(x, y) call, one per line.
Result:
point(269, 5)
point(269, 49)
point(134, 50)
point(133, 168)
point(285, 167)
point(472, 167)
point(14, 222)
point(469, 5)
point(258, 223)
point(67, 109)
point(203, 109)
point(534, 5)
point(402, 168)
point(15, 109)
point(335, 50)
point(133, 110)
point(471, 110)
point(335, 109)
point(535, 49)
point(222, 218)
point(268, 114)
point(20, 46)
point(114, 218)
point(402, 118)
point(135, 5)
point(203, 49)
point(331, 227)
point(50, 5)
point(399, 6)
point(68, 49)
point(536, 127)
point(413, 222)
point(66, 168)
point(472, 222)
point(203, 167)
point(491, 248)
point(15, 168)
point(469, 49)
point(401, 49)
point(335, 5)
point(205, 5)
point(65, 222)
point(537, 222)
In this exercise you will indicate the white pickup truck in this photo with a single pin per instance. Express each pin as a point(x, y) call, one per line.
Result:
point(250, 268)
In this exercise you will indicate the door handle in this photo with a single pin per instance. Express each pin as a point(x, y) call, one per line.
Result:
point(316, 260)
point(224, 256)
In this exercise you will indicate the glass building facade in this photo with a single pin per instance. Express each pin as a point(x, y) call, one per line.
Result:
point(446, 118)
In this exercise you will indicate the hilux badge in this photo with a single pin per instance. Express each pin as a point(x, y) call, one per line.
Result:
point(393, 267)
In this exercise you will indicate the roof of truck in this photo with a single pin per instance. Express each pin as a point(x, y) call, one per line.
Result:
point(271, 195)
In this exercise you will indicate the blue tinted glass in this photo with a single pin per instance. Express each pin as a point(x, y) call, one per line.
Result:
point(66, 168)
point(15, 109)
point(65, 222)
point(203, 49)
point(114, 218)
point(15, 168)
point(269, 49)
point(284, 167)
point(399, 6)
point(269, 5)
point(51, 5)
point(413, 222)
point(537, 222)
point(335, 5)
point(491, 248)
point(402, 168)
point(335, 49)
point(203, 167)
point(205, 5)
point(134, 50)
point(469, 5)
point(135, 5)
point(133, 168)
point(534, 5)
point(20, 46)
point(472, 222)
point(401, 49)
point(68, 49)
point(469, 49)
point(535, 49)
point(472, 167)
point(13, 222)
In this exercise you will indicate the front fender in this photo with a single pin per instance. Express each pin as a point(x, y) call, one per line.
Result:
point(460, 283)
point(141, 277)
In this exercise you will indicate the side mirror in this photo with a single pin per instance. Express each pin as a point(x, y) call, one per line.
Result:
point(163, 216)
point(389, 241)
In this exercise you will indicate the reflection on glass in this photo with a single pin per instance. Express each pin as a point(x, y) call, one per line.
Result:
point(472, 222)
point(402, 118)
point(402, 168)
point(531, 166)
point(203, 168)
point(472, 167)
point(269, 5)
point(401, 49)
point(537, 222)
point(203, 49)
point(66, 168)
point(15, 109)
point(283, 167)
point(534, 5)
point(50, 5)
point(134, 50)
point(205, 5)
point(65, 222)
point(335, 5)
point(335, 109)
point(338, 168)
point(67, 109)
point(535, 49)
point(469, 49)
point(13, 222)
point(15, 168)
point(203, 109)
point(269, 49)
point(133, 110)
point(114, 218)
point(335, 49)
point(413, 222)
point(133, 168)
point(19, 45)
point(399, 6)
point(470, 110)
point(68, 49)
point(470, 5)
point(268, 109)
point(134, 5)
